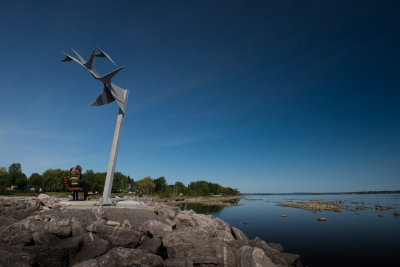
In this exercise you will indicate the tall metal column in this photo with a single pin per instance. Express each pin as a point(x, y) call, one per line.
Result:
point(113, 155)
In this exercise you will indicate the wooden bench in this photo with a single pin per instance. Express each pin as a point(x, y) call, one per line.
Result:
point(68, 186)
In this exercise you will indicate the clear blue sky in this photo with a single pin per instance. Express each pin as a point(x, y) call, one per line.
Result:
point(262, 96)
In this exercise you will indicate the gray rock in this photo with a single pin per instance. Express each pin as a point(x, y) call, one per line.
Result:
point(93, 246)
point(118, 236)
point(95, 225)
point(270, 252)
point(186, 236)
point(252, 257)
point(87, 263)
point(77, 229)
point(276, 246)
point(221, 225)
point(83, 216)
point(135, 216)
point(16, 209)
point(170, 223)
point(222, 235)
point(239, 235)
point(58, 254)
point(42, 197)
point(127, 224)
point(126, 257)
point(41, 238)
point(113, 223)
point(155, 228)
point(178, 262)
point(215, 254)
point(184, 219)
point(151, 245)
point(12, 256)
point(237, 244)
point(16, 234)
point(169, 212)
point(99, 213)
point(291, 259)
point(59, 227)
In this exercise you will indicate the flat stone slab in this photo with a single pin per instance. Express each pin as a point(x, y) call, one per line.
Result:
point(118, 203)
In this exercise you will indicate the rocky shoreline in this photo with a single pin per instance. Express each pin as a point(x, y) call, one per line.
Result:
point(46, 231)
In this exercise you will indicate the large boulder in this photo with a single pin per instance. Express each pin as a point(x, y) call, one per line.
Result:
point(178, 262)
point(16, 234)
point(184, 219)
point(291, 259)
point(169, 212)
point(136, 217)
point(199, 245)
point(93, 246)
point(59, 254)
point(13, 256)
point(186, 236)
point(252, 257)
point(118, 236)
point(15, 209)
point(239, 235)
point(155, 228)
point(271, 253)
point(152, 245)
point(40, 229)
point(124, 257)
point(213, 254)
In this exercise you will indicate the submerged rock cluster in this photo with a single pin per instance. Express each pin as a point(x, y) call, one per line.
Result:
point(42, 232)
point(316, 205)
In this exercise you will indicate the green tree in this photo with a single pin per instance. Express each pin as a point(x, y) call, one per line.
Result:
point(145, 185)
point(36, 180)
point(4, 177)
point(20, 179)
point(15, 173)
point(160, 184)
point(14, 168)
point(95, 180)
point(120, 182)
point(180, 188)
point(53, 180)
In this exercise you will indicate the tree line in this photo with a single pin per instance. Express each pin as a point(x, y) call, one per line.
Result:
point(52, 180)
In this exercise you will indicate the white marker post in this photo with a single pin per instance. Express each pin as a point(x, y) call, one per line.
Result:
point(106, 200)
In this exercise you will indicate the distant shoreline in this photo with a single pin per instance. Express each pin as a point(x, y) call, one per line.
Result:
point(326, 193)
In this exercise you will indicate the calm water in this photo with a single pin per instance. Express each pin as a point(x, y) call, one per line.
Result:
point(346, 239)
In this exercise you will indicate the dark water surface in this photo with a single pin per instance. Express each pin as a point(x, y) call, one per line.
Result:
point(347, 238)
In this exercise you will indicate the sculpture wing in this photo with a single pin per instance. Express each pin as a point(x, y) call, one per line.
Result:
point(104, 54)
point(79, 56)
point(89, 64)
point(70, 58)
point(104, 98)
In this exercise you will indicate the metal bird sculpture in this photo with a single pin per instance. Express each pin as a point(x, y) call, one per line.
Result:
point(111, 91)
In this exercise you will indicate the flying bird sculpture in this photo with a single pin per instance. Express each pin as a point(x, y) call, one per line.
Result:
point(111, 92)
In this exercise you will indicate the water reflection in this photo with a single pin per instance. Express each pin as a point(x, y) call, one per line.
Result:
point(202, 209)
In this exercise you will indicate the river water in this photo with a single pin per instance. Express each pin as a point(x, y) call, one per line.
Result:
point(364, 238)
